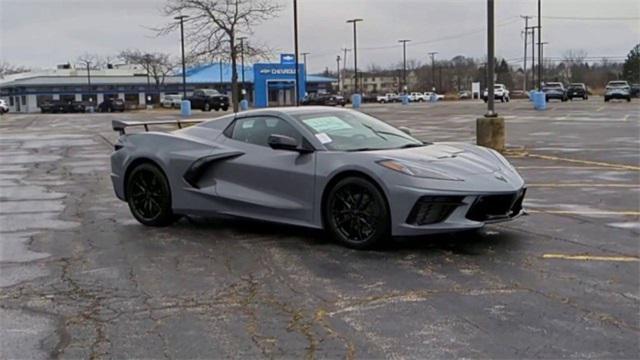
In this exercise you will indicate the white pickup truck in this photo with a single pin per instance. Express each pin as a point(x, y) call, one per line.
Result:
point(418, 97)
point(429, 94)
point(387, 98)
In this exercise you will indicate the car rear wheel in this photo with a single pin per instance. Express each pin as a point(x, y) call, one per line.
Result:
point(149, 196)
point(357, 214)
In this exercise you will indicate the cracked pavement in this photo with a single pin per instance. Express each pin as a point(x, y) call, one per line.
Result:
point(80, 278)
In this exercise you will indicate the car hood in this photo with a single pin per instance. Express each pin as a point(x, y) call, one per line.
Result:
point(457, 159)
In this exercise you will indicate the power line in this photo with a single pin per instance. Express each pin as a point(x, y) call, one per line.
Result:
point(594, 18)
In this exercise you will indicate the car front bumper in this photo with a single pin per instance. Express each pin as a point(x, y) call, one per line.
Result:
point(425, 212)
point(617, 95)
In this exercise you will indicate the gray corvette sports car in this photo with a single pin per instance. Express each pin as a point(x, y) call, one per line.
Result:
point(351, 174)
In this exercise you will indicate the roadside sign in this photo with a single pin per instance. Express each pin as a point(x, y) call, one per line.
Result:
point(287, 59)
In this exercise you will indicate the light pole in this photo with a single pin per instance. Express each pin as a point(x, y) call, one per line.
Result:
point(355, 52)
point(490, 60)
point(533, 57)
point(338, 72)
point(295, 40)
point(433, 70)
point(304, 61)
point(524, 69)
point(541, 61)
point(184, 75)
point(242, 39)
point(539, 46)
point(221, 79)
point(404, 63)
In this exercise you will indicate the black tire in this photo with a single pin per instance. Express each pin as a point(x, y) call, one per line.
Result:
point(149, 196)
point(629, 99)
point(356, 213)
point(585, 98)
point(216, 108)
point(206, 107)
point(606, 99)
point(225, 108)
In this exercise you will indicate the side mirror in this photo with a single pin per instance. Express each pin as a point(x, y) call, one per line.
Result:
point(405, 130)
point(283, 142)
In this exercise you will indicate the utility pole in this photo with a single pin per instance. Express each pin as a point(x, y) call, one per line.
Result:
point(404, 63)
point(355, 52)
point(539, 45)
point(533, 57)
point(242, 39)
point(304, 57)
point(526, 33)
point(295, 37)
point(184, 70)
point(433, 72)
point(338, 72)
point(221, 79)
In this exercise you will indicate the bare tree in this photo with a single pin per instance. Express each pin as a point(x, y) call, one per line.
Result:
point(214, 26)
point(9, 69)
point(157, 65)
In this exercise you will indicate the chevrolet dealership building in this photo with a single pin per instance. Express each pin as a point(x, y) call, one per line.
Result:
point(265, 85)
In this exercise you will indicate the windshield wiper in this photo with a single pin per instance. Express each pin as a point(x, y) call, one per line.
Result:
point(363, 149)
point(378, 133)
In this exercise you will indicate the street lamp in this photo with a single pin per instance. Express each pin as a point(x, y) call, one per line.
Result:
point(404, 63)
point(242, 39)
point(433, 70)
point(541, 60)
point(355, 52)
point(338, 73)
point(184, 75)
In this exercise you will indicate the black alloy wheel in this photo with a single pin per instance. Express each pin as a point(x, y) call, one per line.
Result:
point(206, 107)
point(149, 196)
point(357, 214)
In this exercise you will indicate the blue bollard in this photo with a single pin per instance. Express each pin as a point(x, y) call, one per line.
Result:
point(356, 101)
point(433, 98)
point(185, 108)
point(244, 105)
point(539, 100)
point(405, 99)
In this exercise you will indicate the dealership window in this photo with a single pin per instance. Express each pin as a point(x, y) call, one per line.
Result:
point(10, 100)
point(67, 98)
point(90, 98)
point(24, 99)
point(131, 99)
point(43, 98)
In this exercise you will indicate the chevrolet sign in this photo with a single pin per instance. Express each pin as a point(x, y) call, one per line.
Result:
point(287, 59)
point(276, 71)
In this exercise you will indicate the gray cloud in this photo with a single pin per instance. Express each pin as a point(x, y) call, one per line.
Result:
point(42, 33)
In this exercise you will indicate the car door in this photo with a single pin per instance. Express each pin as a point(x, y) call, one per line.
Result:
point(197, 100)
point(263, 182)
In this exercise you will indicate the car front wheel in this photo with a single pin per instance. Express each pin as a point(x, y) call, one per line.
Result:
point(206, 107)
point(356, 213)
point(149, 196)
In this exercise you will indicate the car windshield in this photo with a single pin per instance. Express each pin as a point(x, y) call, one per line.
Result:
point(354, 131)
point(210, 92)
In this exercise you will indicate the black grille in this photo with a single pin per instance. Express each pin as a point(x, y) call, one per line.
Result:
point(433, 209)
point(490, 207)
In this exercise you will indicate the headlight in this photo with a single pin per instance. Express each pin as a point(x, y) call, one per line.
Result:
point(415, 170)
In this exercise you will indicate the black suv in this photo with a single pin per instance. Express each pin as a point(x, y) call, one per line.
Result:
point(577, 90)
point(111, 105)
point(207, 99)
point(326, 100)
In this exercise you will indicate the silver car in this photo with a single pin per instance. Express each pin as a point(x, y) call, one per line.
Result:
point(340, 170)
point(618, 89)
point(171, 101)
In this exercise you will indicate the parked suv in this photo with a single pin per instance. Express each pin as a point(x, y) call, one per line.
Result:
point(618, 89)
point(207, 99)
point(500, 92)
point(554, 90)
point(577, 90)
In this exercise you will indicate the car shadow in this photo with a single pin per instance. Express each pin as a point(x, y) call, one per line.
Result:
point(468, 243)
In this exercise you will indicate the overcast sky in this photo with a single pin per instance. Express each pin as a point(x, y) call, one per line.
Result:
point(43, 33)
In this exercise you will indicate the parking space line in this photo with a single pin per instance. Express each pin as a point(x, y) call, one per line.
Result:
point(578, 212)
point(591, 257)
point(600, 109)
point(577, 185)
point(588, 162)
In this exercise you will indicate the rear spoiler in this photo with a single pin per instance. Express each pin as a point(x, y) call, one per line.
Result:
point(120, 125)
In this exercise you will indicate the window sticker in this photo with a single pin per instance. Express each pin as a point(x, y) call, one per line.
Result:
point(248, 124)
point(323, 138)
point(327, 123)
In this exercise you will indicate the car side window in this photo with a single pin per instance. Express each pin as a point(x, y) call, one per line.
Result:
point(256, 130)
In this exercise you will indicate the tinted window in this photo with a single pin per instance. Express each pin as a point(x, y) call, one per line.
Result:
point(211, 92)
point(256, 130)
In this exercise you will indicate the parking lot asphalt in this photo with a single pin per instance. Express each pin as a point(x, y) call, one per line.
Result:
point(80, 278)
